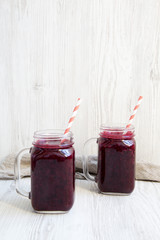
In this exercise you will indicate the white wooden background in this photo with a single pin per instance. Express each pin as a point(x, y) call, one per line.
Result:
point(104, 51)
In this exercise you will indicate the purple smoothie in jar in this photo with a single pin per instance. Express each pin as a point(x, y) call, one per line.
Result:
point(52, 173)
point(116, 160)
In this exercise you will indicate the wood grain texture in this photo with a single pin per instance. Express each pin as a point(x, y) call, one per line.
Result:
point(93, 217)
point(106, 52)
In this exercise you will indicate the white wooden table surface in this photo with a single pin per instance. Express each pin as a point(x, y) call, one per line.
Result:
point(93, 216)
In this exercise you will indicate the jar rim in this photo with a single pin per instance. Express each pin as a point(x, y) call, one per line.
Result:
point(52, 134)
point(120, 127)
point(52, 138)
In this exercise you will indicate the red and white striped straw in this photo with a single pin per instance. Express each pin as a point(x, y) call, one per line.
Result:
point(134, 112)
point(71, 120)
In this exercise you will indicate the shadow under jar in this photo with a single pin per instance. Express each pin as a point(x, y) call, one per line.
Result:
point(52, 172)
point(116, 161)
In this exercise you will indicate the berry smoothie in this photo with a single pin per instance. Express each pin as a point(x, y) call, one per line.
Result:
point(116, 161)
point(52, 176)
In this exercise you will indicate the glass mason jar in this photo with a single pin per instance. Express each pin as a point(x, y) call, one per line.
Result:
point(116, 160)
point(52, 172)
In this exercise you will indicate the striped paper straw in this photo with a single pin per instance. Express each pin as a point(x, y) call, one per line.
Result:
point(71, 120)
point(134, 112)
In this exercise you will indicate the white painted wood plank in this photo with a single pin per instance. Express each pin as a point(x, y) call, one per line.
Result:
point(93, 216)
point(52, 52)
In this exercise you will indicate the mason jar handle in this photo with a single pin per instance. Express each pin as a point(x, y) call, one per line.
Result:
point(87, 175)
point(17, 173)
